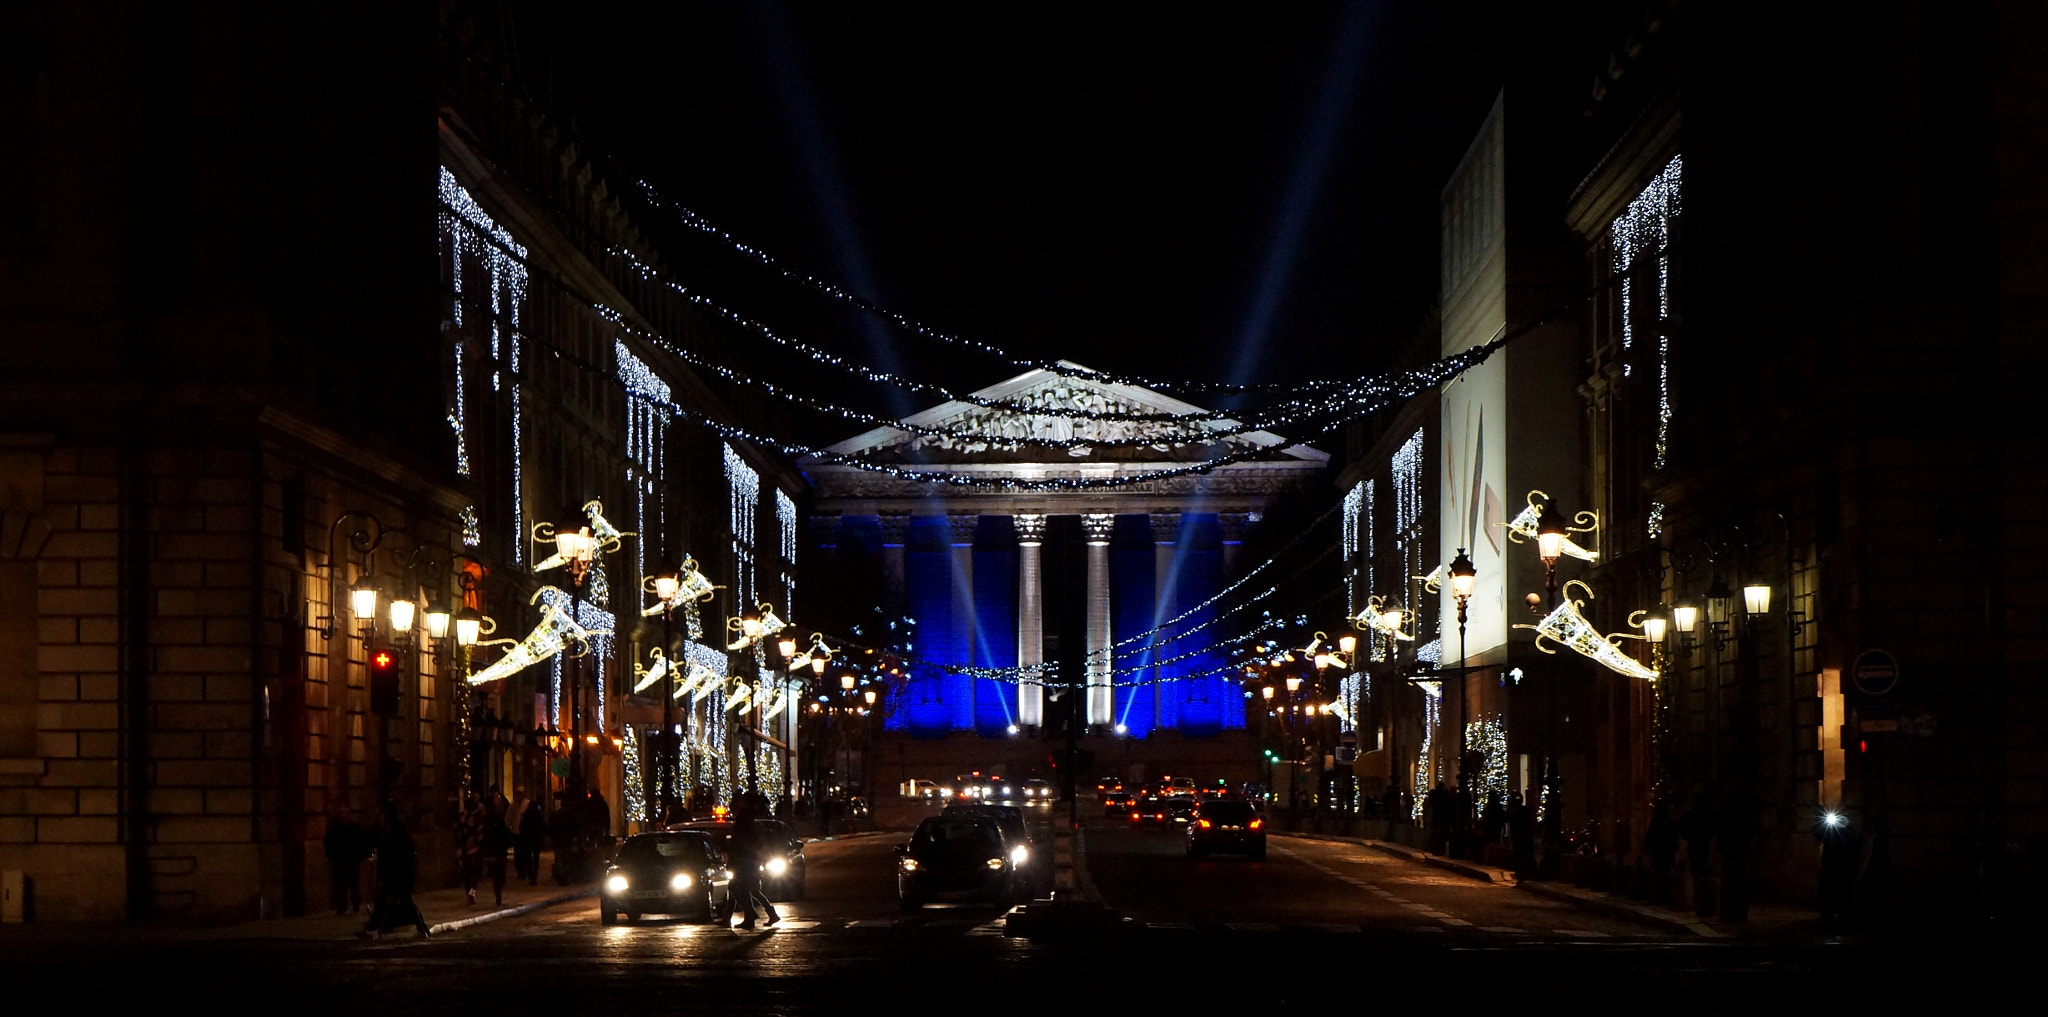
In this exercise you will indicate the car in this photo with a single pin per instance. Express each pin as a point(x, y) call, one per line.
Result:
point(955, 855)
point(1178, 786)
point(1222, 824)
point(998, 790)
point(783, 875)
point(1022, 851)
point(1038, 792)
point(921, 789)
point(1150, 812)
point(1109, 784)
point(972, 787)
point(1115, 802)
point(666, 872)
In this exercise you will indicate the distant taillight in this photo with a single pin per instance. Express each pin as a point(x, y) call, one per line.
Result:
point(1256, 823)
point(1205, 824)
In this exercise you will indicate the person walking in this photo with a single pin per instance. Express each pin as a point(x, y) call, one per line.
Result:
point(1738, 831)
point(1697, 828)
point(469, 845)
point(1841, 848)
point(496, 840)
point(397, 870)
point(749, 854)
point(533, 828)
point(1522, 837)
point(1660, 842)
point(346, 845)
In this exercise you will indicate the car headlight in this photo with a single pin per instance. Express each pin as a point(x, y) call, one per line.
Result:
point(1006, 792)
point(776, 866)
point(1019, 853)
point(679, 881)
point(616, 884)
point(996, 864)
point(909, 864)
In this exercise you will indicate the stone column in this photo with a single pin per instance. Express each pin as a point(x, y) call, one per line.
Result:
point(1165, 535)
point(964, 620)
point(1030, 616)
point(895, 529)
point(1233, 526)
point(1100, 703)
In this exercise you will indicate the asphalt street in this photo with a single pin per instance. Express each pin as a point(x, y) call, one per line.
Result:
point(1316, 923)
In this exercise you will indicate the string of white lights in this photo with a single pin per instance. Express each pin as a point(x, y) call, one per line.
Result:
point(697, 222)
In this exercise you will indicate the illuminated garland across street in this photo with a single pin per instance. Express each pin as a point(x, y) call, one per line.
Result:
point(697, 222)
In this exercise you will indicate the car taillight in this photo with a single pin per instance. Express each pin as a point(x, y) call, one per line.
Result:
point(1205, 824)
point(1256, 823)
point(1134, 817)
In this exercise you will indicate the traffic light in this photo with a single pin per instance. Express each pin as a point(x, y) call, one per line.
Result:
point(385, 670)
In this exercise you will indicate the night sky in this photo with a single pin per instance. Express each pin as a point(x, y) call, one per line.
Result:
point(1225, 192)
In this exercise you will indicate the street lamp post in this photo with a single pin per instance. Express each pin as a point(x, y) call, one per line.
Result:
point(668, 581)
point(1464, 577)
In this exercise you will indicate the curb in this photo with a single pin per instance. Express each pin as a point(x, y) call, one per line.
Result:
point(845, 836)
point(492, 916)
point(1482, 873)
point(1594, 900)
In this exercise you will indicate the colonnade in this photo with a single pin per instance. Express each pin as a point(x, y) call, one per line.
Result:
point(1030, 529)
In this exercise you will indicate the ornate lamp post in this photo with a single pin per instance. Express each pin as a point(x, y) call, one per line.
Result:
point(1464, 577)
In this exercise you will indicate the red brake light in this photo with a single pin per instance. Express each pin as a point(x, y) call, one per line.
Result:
point(1134, 817)
point(1256, 823)
point(1205, 824)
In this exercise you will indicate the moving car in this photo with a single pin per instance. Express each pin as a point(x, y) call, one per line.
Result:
point(921, 789)
point(783, 874)
point(1222, 824)
point(1020, 849)
point(1037, 792)
point(955, 855)
point(1115, 802)
point(1150, 812)
point(1107, 784)
point(666, 873)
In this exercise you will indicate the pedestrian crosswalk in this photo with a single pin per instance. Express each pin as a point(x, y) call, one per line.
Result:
point(980, 925)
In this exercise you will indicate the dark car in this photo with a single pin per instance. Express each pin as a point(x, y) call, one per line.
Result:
point(1150, 812)
point(1115, 802)
point(1016, 836)
point(782, 875)
point(666, 873)
point(1230, 825)
point(956, 855)
point(1038, 792)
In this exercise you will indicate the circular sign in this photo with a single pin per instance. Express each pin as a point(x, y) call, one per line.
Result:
point(1876, 672)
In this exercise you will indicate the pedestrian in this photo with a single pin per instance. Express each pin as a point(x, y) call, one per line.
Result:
point(1738, 831)
point(1660, 842)
point(469, 844)
point(397, 870)
point(1874, 874)
point(526, 842)
point(346, 845)
point(1697, 828)
point(1522, 836)
point(1840, 851)
point(496, 840)
point(749, 853)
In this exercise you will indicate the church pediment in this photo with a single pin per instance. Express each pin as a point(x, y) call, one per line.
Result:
point(981, 434)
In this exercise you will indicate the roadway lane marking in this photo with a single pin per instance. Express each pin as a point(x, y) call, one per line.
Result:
point(1581, 933)
point(1501, 928)
point(1454, 921)
point(872, 923)
point(1412, 906)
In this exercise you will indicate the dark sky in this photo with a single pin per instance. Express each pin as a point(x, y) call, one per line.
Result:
point(1207, 191)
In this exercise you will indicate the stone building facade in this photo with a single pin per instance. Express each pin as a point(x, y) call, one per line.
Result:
point(240, 385)
point(1803, 317)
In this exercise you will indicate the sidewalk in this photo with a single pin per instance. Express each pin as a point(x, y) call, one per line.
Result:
point(445, 910)
point(1766, 920)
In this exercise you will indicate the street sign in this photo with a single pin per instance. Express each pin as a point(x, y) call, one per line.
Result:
point(1347, 747)
point(1876, 672)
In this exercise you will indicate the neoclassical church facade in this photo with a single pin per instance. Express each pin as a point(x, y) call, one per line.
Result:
point(998, 577)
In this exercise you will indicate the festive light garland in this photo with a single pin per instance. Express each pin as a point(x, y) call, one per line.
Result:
point(1566, 627)
point(694, 221)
